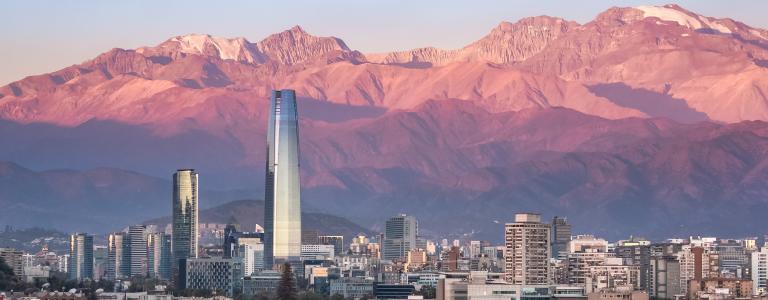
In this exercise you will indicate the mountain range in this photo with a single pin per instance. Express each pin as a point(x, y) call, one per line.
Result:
point(647, 120)
point(114, 198)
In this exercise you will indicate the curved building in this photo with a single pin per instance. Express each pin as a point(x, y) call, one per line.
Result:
point(282, 199)
point(184, 237)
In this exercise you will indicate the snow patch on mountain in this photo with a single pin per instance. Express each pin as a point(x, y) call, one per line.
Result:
point(227, 48)
point(714, 24)
point(758, 34)
point(671, 15)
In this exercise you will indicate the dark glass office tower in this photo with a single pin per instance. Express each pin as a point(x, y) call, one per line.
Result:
point(561, 236)
point(184, 237)
point(282, 199)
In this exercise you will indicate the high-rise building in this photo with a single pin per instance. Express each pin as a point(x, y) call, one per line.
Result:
point(474, 249)
point(185, 215)
point(13, 258)
point(62, 264)
point(100, 261)
point(527, 250)
point(637, 252)
point(80, 264)
point(137, 237)
point(759, 263)
point(118, 265)
point(561, 235)
point(336, 240)
point(585, 251)
point(251, 251)
point(734, 259)
point(231, 232)
point(159, 255)
point(400, 235)
point(248, 247)
point(449, 261)
point(282, 198)
point(664, 277)
point(697, 263)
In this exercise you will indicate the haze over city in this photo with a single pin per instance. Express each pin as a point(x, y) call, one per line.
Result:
point(339, 150)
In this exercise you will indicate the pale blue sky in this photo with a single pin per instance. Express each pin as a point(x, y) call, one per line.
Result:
point(41, 36)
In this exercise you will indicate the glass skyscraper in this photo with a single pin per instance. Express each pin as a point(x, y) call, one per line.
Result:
point(159, 255)
point(118, 264)
point(80, 265)
point(400, 236)
point(185, 215)
point(282, 199)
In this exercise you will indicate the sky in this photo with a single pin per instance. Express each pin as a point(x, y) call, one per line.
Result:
point(39, 36)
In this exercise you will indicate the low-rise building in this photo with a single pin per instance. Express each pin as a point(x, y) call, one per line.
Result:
point(323, 252)
point(216, 274)
point(263, 282)
point(618, 295)
point(36, 272)
point(491, 286)
point(612, 274)
point(352, 287)
point(393, 291)
point(719, 288)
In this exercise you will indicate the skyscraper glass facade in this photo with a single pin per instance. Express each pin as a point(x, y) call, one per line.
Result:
point(400, 236)
point(282, 205)
point(118, 265)
point(185, 215)
point(80, 264)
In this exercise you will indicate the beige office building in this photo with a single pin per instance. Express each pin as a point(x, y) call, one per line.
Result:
point(527, 251)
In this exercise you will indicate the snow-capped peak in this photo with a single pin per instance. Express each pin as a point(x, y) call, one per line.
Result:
point(672, 13)
point(235, 49)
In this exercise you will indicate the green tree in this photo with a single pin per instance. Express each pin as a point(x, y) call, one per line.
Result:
point(337, 297)
point(8, 280)
point(263, 296)
point(309, 295)
point(287, 288)
point(428, 292)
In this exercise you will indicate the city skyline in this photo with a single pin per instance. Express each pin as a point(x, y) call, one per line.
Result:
point(567, 151)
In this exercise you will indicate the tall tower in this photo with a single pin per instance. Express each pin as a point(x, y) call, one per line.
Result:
point(527, 250)
point(158, 255)
point(138, 245)
point(185, 209)
point(561, 235)
point(117, 262)
point(80, 264)
point(400, 234)
point(282, 199)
